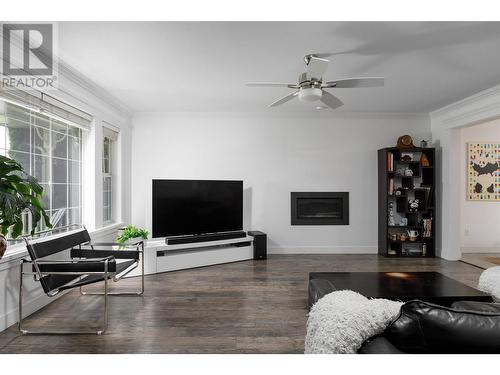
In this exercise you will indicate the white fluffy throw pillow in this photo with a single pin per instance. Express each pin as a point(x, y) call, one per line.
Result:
point(489, 282)
point(342, 320)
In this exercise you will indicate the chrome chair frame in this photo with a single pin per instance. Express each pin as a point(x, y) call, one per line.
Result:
point(38, 274)
point(125, 272)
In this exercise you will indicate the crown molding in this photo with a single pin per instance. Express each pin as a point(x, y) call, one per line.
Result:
point(306, 114)
point(483, 106)
point(77, 79)
point(83, 82)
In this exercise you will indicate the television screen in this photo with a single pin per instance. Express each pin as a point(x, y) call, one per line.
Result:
point(187, 207)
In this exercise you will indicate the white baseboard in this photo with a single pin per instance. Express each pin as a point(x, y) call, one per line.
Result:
point(29, 307)
point(323, 250)
point(480, 249)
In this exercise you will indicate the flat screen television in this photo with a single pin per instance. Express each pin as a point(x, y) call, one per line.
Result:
point(193, 207)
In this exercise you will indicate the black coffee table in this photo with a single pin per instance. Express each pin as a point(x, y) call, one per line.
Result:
point(402, 286)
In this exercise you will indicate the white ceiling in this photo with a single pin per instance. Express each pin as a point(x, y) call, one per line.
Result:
point(180, 66)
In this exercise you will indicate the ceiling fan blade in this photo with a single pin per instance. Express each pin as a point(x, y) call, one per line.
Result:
point(355, 82)
point(330, 100)
point(271, 84)
point(316, 68)
point(326, 54)
point(284, 99)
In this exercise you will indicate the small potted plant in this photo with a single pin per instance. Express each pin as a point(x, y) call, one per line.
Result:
point(131, 234)
point(19, 192)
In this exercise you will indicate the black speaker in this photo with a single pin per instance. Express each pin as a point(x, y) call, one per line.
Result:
point(259, 244)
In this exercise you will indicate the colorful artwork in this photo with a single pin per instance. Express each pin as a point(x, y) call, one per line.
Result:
point(483, 171)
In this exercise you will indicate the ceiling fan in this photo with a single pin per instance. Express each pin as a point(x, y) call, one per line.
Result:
point(311, 87)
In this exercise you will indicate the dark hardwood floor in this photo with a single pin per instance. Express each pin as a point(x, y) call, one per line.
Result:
point(243, 307)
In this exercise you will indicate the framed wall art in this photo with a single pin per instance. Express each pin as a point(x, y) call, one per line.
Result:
point(483, 171)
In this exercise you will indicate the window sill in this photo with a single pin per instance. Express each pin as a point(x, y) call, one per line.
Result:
point(106, 229)
point(19, 251)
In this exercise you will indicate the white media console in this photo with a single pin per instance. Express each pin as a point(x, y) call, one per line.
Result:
point(160, 257)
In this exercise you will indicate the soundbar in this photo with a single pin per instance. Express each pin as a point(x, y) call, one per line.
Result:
point(204, 237)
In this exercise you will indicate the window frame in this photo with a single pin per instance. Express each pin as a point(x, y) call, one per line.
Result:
point(36, 123)
point(107, 182)
point(109, 211)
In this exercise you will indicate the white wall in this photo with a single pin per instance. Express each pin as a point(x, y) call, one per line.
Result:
point(480, 221)
point(274, 153)
point(446, 123)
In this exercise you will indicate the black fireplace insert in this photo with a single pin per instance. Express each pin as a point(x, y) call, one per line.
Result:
point(320, 208)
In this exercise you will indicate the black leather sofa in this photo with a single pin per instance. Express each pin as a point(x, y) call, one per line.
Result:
point(426, 328)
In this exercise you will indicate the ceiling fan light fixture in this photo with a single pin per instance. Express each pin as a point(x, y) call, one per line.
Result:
point(310, 94)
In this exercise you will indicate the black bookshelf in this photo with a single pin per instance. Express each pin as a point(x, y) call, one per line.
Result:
point(418, 184)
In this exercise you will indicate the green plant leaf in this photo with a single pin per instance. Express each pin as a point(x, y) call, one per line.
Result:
point(33, 182)
point(131, 231)
point(17, 228)
point(19, 192)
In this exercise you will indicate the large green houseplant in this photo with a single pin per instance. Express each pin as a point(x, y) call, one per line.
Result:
point(19, 192)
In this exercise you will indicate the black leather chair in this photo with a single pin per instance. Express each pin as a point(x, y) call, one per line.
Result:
point(467, 327)
point(88, 263)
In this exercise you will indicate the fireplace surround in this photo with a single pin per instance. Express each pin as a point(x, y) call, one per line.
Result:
point(320, 208)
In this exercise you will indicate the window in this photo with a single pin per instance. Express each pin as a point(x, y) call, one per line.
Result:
point(109, 138)
point(51, 151)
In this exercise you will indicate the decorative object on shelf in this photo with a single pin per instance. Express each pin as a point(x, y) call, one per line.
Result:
point(404, 222)
point(401, 191)
point(391, 214)
point(19, 193)
point(406, 156)
point(427, 224)
point(131, 234)
point(413, 234)
point(402, 236)
point(408, 172)
point(398, 192)
point(390, 162)
point(412, 252)
point(391, 252)
point(391, 186)
point(405, 141)
point(424, 162)
point(483, 171)
point(424, 249)
point(413, 205)
point(424, 143)
point(401, 171)
point(393, 236)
